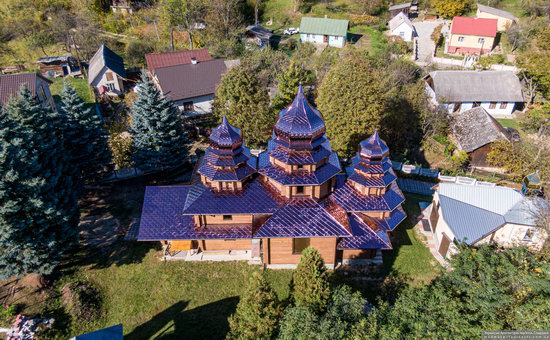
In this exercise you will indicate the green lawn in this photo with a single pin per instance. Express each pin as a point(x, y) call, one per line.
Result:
point(161, 299)
point(409, 256)
point(512, 6)
point(80, 85)
point(511, 123)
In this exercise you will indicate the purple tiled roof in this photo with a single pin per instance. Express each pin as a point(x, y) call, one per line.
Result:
point(225, 134)
point(374, 147)
point(397, 216)
point(161, 219)
point(321, 175)
point(300, 119)
point(353, 201)
point(302, 218)
point(374, 182)
point(302, 157)
point(236, 173)
point(364, 237)
point(254, 198)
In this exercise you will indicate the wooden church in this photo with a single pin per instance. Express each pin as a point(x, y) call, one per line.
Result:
point(268, 209)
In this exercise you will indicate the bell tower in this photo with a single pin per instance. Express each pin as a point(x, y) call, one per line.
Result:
point(299, 161)
point(227, 163)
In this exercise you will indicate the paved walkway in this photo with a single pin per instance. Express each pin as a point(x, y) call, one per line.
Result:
point(423, 228)
point(426, 46)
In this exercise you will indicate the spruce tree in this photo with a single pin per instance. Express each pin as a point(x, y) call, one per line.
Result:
point(38, 206)
point(288, 82)
point(159, 140)
point(85, 137)
point(257, 313)
point(242, 99)
point(311, 287)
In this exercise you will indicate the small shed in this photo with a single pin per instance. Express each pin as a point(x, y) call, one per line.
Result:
point(404, 8)
point(106, 72)
point(58, 66)
point(475, 131)
point(324, 31)
point(258, 35)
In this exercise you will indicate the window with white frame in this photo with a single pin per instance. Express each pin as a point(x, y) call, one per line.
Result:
point(460, 39)
point(480, 40)
point(111, 86)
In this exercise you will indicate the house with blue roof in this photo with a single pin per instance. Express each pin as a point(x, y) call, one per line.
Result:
point(268, 209)
point(106, 72)
point(474, 215)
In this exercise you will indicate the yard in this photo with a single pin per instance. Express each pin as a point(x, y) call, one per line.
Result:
point(153, 298)
point(80, 85)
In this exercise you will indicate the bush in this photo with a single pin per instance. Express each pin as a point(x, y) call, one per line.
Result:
point(486, 62)
point(136, 50)
point(460, 158)
point(536, 119)
point(7, 312)
point(81, 300)
point(436, 36)
point(121, 148)
point(311, 288)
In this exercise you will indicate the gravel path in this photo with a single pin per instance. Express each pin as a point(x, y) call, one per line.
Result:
point(426, 46)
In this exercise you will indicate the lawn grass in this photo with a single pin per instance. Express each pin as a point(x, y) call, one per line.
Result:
point(512, 6)
point(80, 85)
point(509, 123)
point(377, 41)
point(409, 256)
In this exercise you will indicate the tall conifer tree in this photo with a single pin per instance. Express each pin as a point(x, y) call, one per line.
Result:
point(288, 82)
point(242, 99)
point(158, 137)
point(38, 206)
point(311, 287)
point(257, 313)
point(85, 137)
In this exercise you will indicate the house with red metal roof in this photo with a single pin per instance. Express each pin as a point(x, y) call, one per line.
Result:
point(10, 85)
point(268, 209)
point(166, 59)
point(472, 35)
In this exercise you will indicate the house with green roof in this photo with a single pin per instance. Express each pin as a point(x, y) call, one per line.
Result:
point(324, 31)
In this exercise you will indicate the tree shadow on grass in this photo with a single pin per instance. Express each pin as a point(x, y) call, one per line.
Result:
point(205, 322)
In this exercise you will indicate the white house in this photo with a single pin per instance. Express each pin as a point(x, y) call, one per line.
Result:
point(401, 26)
point(475, 215)
point(498, 92)
point(191, 87)
point(106, 72)
point(324, 31)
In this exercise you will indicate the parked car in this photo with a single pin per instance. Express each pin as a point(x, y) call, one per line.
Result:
point(291, 31)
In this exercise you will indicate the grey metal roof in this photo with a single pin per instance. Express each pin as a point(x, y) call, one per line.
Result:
point(399, 19)
point(104, 57)
point(476, 86)
point(191, 80)
point(468, 223)
point(475, 128)
point(324, 26)
point(473, 212)
point(400, 6)
point(496, 11)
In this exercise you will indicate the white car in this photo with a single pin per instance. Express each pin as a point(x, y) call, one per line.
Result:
point(291, 31)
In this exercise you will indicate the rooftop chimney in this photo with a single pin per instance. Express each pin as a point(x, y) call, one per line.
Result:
point(193, 60)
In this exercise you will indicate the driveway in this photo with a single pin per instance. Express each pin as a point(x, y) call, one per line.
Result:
point(426, 46)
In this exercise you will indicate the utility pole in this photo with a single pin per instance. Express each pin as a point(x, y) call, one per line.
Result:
point(82, 70)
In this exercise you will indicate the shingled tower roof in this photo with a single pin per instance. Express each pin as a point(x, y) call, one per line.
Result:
point(374, 147)
point(227, 159)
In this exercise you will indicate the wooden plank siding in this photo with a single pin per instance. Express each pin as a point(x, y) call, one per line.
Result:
point(279, 250)
point(227, 244)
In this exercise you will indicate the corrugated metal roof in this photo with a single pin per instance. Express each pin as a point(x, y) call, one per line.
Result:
point(468, 223)
point(496, 11)
point(324, 26)
point(496, 199)
point(165, 59)
point(190, 80)
point(474, 26)
point(10, 84)
point(472, 212)
point(476, 86)
point(105, 57)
